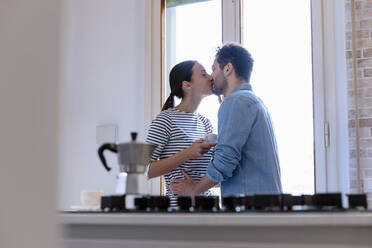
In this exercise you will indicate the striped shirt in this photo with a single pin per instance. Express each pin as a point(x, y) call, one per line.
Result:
point(173, 131)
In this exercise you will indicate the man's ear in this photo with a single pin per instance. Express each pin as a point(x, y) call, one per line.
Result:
point(228, 69)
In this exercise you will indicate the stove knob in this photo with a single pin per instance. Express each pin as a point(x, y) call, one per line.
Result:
point(206, 203)
point(308, 200)
point(158, 203)
point(248, 202)
point(106, 203)
point(287, 202)
point(331, 201)
point(141, 203)
point(297, 200)
point(266, 202)
point(113, 203)
point(184, 202)
point(233, 203)
point(357, 201)
point(118, 202)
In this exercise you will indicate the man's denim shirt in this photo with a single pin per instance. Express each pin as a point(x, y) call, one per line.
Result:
point(246, 157)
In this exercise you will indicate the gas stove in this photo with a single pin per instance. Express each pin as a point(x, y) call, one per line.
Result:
point(326, 202)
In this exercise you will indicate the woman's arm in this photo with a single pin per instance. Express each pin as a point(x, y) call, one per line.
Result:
point(163, 166)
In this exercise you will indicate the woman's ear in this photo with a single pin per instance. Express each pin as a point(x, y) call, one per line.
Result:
point(186, 86)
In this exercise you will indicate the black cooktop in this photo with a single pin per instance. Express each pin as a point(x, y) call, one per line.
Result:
point(259, 203)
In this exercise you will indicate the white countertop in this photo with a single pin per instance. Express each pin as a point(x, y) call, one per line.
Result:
point(344, 219)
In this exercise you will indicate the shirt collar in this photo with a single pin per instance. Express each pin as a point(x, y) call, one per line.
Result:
point(245, 86)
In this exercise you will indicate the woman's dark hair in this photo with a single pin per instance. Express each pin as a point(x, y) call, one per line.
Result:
point(238, 56)
point(179, 73)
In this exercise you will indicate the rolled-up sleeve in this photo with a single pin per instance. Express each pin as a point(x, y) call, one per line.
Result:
point(234, 126)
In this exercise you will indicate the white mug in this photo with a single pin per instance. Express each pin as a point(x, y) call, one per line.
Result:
point(90, 197)
point(210, 138)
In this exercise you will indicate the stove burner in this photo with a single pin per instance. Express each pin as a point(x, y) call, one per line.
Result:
point(357, 201)
point(113, 203)
point(158, 203)
point(267, 202)
point(289, 201)
point(328, 201)
point(152, 203)
point(141, 203)
point(185, 203)
point(233, 203)
point(206, 203)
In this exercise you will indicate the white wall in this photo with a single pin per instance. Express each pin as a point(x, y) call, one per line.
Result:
point(29, 33)
point(103, 44)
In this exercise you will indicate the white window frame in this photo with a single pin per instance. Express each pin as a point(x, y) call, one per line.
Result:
point(153, 69)
point(330, 108)
point(329, 84)
point(231, 21)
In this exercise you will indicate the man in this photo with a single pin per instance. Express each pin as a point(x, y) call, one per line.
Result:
point(246, 156)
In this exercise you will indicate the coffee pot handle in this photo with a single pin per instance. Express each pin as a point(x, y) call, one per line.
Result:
point(107, 146)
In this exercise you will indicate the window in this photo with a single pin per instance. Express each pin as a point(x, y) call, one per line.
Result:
point(278, 35)
point(295, 71)
point(193, 32)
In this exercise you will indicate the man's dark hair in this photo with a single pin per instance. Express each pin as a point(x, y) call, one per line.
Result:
point(238, 56)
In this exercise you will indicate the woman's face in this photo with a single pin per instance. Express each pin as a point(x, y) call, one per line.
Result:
point(201, 81)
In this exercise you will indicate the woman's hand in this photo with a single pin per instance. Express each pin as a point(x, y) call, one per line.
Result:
point(198, 149)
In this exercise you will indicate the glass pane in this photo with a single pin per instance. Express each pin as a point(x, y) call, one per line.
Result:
point(278, 35)
point(193, 32)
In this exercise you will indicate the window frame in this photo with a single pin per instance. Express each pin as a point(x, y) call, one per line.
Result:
point(330, 109)
point(329, 70)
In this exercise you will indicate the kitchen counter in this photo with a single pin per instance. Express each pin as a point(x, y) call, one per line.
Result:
point(312, 229)
point(221, 219)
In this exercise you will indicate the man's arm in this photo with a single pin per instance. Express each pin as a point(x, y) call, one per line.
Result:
point(236, 118)
point(188, 187)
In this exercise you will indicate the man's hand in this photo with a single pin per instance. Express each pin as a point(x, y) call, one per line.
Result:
point(184, 186)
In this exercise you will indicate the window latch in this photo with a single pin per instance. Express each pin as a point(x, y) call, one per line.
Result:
point(326, 134)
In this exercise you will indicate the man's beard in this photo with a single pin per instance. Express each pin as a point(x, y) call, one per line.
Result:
point(221, 88)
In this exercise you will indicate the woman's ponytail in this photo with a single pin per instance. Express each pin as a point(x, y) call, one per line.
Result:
point(169, 103)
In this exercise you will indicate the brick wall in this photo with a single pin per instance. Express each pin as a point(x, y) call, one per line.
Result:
point(363, 24)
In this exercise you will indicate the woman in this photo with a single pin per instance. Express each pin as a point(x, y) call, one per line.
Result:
point(178, 132)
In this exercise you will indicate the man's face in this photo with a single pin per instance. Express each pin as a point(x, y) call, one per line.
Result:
point(219, 79)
